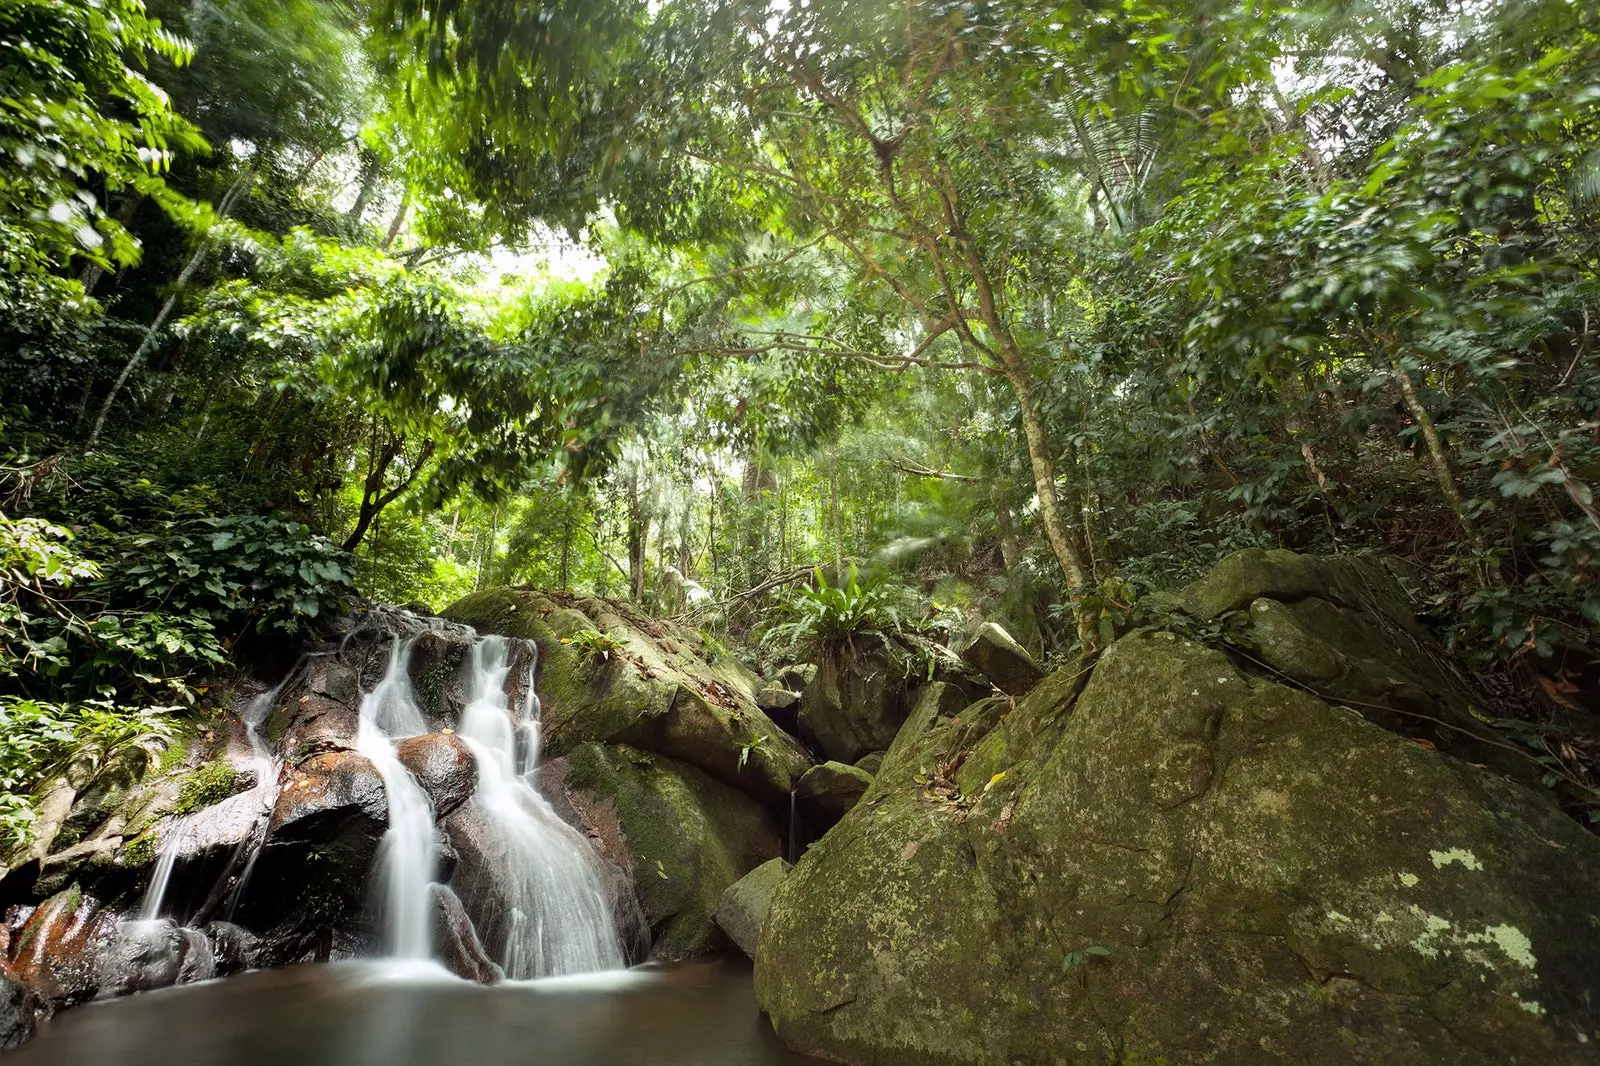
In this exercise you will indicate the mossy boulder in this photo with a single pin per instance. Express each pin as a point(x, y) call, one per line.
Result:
point(654, 685)
point(996, 655)
point(830, 789)
point(744, 905)
point(1342, 627)
point(1173, 862)
point(682, 835)
point(857, 699)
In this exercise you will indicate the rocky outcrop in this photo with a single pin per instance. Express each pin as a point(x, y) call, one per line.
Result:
point(57, 950)
point(683, 836)
point(744, 905)
point(997, 656)
point(1118, 863)
point(18, 1008)
point(611, 674)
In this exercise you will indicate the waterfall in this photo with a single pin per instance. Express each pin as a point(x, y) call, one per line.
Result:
point(550, 885)
point(408, 858)
point(155, 893)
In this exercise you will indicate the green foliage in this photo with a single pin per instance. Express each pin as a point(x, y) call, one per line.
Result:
point(594, 644)
point(1078, 958)
point(823, 613)
point(37, 738)
point(78, 114)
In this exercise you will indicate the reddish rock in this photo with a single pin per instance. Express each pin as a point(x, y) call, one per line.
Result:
point(58, 951)
point(444, 766)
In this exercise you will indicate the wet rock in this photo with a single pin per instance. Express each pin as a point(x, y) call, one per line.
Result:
point(857, 700)
point(143, 955)
point(199, 961)
point(325, 791)
point(435, 667)
point(683, 836)
point(444, 766)
point(998, 657)
point(658, 690)
point(18, 1008)
point(458, 944)
point(1184, 839)
point(233, 948)
point(829, 790)
point(321, 842)
point(57, 952)
point(744, 905)
point(782, 706)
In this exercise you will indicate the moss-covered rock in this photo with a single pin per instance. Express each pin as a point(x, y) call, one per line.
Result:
point(1185, 865)
point(857, 699)
point(830, 789)
point(746, 903)
point(684, 836)
point(652, 687)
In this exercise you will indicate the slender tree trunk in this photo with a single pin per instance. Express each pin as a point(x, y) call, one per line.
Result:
point(240, 186)
point(370, 172)
point(1437, 456)
point(396, 222)
point(833, 509)
point(1005, 526)
point(636, 540)
point(94, 272)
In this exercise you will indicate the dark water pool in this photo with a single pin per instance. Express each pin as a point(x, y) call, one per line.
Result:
point(375, 1014)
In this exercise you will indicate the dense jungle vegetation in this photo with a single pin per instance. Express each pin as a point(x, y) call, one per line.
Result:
point(789, 319)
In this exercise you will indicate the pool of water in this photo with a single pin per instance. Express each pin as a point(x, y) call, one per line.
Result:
point(383, 1014)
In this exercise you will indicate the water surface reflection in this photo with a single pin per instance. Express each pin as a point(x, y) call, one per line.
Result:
point(376, 1014)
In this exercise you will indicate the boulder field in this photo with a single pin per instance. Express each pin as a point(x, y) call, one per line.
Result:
point(1170, 858)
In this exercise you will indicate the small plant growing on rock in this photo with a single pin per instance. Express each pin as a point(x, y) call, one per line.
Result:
point(208, 784)
point(1078, 958)
point(592, 643)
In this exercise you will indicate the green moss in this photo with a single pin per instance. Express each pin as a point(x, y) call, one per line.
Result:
point(140, 851)
point(210, 783)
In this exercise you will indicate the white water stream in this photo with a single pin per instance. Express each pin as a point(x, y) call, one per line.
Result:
point(550, 884)
point(408, 858)
point(545, 889)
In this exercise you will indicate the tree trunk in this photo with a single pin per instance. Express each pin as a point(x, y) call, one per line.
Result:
point(396, 222)
point(1050, 517)
point(370, 172)
point(636, 540)
point(566, 549)
point(374, 498)
point(1437, 456)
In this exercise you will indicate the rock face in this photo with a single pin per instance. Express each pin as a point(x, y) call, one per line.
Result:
point(744, 905)
point(658, 689)
point(1114, 872)
point(998, 657)
point(57, 951)
point(17, 1009)
point(683, 836)
point(321, 843)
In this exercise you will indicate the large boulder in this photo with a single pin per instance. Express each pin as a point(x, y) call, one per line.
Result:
point(1113, 874)
point(321, 843)
point(18, 1008)
point(1342, 627)
point(744, 905)
point(996, 655)
point(57, 952)
point(856, 700)
point(658, 687)
point(683, 836)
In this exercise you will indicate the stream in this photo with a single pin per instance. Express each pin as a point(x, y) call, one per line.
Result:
point(386, 1013)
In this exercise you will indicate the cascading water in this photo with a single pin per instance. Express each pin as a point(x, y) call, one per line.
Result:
point(549, 886)
point(541, 891)
point(408, 858)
